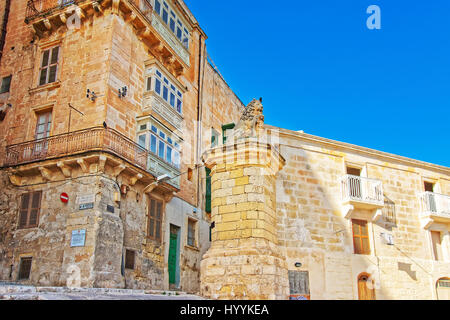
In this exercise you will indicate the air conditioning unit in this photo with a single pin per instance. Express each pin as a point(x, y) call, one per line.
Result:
point(387, 238)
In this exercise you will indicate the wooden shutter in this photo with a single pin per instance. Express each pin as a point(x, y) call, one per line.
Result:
point(158, 220)
point(23, 215)
point(360, 237)
point(149, 83)
point(436, 239)
point(151, 219)
point(30, 205)
point(155, 219)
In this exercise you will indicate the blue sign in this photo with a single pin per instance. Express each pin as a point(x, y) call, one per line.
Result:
point(85, 206)
point(78, 238)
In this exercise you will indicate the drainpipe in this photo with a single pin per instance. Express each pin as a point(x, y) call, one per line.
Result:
point(3, 30)
point(199, 112)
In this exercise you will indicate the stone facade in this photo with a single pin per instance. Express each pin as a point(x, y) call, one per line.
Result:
point(105, 46)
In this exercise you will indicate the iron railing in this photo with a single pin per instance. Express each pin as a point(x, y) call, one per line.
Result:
point(36, 8)
point(92, 139)
point(355, 188)
point(435, 203)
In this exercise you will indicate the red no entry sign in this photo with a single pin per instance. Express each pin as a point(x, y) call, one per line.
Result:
point(64, 197)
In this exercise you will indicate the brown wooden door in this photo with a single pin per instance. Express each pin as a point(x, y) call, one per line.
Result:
point(364, 292)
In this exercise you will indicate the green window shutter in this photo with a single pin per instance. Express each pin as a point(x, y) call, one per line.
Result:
point(208, 191)
point(226, 127)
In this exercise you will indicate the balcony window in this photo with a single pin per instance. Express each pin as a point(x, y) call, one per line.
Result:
point(168, 92)
point(161, 145)
point(173, 21)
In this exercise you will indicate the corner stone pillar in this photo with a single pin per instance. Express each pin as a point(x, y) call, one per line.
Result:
point(244, 261)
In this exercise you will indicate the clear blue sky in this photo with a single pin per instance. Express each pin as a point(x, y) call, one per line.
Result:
point(319, 69)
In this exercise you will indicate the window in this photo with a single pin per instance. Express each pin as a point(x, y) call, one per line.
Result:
point(129, 259)
point(214, 138)
point(429, 187)
point(166, 90)
point(154, 219)
point(44, 123)
point(6, 84)
point(173, 22)
point(49, 66)
point(360, 237)
point(354, 171)
point(224, 131)
point(162, 145)
point(298, 284)
point(191, 232)
point(436, 243)
point(25, 268)
point(30, 204)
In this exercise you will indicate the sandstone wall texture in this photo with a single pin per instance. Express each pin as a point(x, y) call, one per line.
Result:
point(313, 230)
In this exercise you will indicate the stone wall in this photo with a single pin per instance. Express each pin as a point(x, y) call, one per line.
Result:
point(312, 228)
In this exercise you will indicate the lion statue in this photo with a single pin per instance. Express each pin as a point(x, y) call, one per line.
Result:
point(251, 122)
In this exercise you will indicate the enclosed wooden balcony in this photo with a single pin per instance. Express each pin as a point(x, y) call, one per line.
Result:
point(435, 207)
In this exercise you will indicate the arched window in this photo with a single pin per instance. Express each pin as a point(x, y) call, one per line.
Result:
point(366, 290)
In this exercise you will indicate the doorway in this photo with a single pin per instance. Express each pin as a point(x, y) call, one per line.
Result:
point(174, 258)
point(366, 289)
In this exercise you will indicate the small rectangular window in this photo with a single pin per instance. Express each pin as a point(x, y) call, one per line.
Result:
point(165, 16)
point(159, 74)
point(149, 83)
point(172, 99)
point(191, 233)
point(153, 144)
point(162, 134)
point(25, 268)
point(179, 105)
point(360, 237)
point(129, 259)
point(165, 93)
point(155, 219)
point(142, 141)
point(30, 204)
point(161, 149)
point(158, 86)
point(154, 129)
point(158, 7)
point(49, 66)
point(172, 25)
point(6, 84)
point(169, 155)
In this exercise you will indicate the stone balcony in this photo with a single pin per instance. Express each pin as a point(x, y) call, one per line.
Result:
point(362, 193)
point(435, 208)
point(153, 103)
point(83, 148)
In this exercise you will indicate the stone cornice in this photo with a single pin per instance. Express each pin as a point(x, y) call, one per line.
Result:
point(345, 147)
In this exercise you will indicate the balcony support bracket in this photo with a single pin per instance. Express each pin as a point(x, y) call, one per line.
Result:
point(15, 180)
point(118, 170)
point(46, 173)
point(425, 223)
point(377, 216)
point(83, 164)
point(66, 170)
point(347, 210)
point(135, 179)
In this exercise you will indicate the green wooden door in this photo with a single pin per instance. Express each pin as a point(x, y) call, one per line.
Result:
point(173, 257)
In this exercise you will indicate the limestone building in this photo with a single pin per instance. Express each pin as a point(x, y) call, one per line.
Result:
point(100, 104)
point(128, 162)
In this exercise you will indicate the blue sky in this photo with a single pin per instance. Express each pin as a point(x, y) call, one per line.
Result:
point(321, 70)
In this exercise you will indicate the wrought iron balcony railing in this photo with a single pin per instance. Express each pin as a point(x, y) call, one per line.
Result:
point(435, 204)
point(36, 8)
point(363, 190)
point(93, 139)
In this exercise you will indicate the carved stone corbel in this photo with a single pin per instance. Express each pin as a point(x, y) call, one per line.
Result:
point(47, 24)
point(150, 187)
point(97, 8)
point(65, 169)
point(130, 17)
point(63, 18)
point(115, 6)
point(134, 179)
point(168, 197)
point(118, 169)
point(101, 163)
point(83, 164)
point(143, 33)
point(15, 180)
point(46, 173)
